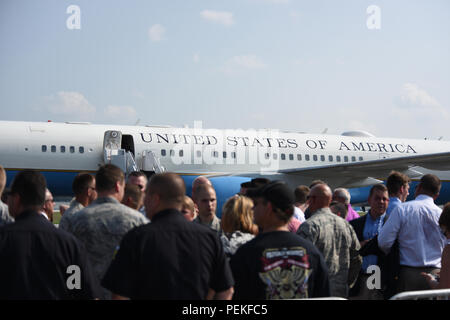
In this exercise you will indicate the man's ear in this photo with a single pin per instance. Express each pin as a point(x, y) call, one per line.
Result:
point(117, 186)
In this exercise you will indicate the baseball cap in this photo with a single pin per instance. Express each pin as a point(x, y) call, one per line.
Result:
point(277, 192)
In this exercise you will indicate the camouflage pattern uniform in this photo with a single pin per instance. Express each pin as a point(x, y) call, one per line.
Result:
point(214, 224)
point(101, 226)
point(4, 215)
point(66, 220)
point(337, 241)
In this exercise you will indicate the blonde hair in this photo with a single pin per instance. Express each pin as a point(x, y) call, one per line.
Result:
point(237, 214)
point(188, 204)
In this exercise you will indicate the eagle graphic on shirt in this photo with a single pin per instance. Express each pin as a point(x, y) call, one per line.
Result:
point(285, 272)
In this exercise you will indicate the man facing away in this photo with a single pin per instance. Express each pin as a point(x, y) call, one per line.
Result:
point(101, 225)
point(415, 225)
point(39, 261)
point(277, 264)
point(170, 258)
point(343, 196)
point(398, 187)
point(83, 186)
point(335, 239)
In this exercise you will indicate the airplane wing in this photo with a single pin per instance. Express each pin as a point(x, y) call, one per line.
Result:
point(376, 168)
point(358, 174)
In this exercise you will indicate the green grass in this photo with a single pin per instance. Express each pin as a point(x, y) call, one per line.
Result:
point(56, 217)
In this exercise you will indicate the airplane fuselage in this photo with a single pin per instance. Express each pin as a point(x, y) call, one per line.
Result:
point(64, 149)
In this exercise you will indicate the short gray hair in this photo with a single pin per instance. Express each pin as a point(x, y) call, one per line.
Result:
point(342, 193)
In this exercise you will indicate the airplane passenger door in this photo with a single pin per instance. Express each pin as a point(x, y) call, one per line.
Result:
point(128, 144)
point(118, 150)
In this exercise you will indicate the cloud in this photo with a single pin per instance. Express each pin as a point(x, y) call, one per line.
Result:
point(416, 99)
point(241, 63)
point(69, 103)
point(221, 17)
point(249, 62)
point(156, 32)
point(120, 112)
point(196, 58)
point(135, 93)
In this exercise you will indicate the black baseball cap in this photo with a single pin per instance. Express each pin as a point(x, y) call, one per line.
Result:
point(277, 192)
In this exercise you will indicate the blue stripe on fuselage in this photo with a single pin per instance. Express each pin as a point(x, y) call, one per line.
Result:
point(60, 184)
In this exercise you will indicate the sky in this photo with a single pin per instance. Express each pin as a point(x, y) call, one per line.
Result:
point(305, 66)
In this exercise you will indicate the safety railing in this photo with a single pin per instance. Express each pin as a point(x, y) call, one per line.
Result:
point(439, 294)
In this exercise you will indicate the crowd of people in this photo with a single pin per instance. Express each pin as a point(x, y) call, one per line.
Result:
point(144, 238)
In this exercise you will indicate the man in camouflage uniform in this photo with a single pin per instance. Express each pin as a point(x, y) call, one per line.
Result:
point(335, 238)
point(102, 225)
point(4, 213)
point(206, 201)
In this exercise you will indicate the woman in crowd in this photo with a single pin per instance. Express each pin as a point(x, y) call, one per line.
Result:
point(237, 223)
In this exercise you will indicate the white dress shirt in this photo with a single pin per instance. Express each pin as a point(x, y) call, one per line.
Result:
point(415, 225)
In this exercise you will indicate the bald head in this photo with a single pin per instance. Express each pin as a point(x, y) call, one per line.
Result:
point(164, 191)
point(200, 181)
point(320, 197)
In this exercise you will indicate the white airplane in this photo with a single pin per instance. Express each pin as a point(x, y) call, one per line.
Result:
point(354, 159)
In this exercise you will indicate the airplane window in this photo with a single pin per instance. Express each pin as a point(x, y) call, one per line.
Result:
point(215, 154)
point(353, 158)
point(338, 158)
point(322, 158)
point(44, 148)
point(233, 155)
point(163, 152)
point(81, 149)
point(307, 157)
point(72, 149)
point(172, 153)
point(199, 153)
point(315, 157)
point(345, 159)
point(291, 156)
point(330, 158)
point(224, 154)
point(53, 148)
point(62, 149)
point(299, 157)
point(283, 156)
point(360, 158)
point(180, 153)
point(275, 156)
point(267, 156)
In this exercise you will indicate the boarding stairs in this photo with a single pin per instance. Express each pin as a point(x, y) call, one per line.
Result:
point(113, 153)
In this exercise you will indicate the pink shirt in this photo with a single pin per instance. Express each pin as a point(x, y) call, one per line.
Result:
point(294, 224)
point(351, 214)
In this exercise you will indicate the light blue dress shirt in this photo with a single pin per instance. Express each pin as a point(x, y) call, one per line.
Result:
point(371, 229)
point(415, 224)
point(394, 202)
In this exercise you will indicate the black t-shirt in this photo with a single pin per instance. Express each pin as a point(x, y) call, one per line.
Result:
point(39, 261)
point(169, 258)
point(279, 265)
